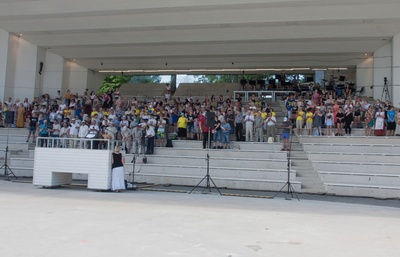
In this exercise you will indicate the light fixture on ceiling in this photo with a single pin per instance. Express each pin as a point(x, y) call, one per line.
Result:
point(101, 63)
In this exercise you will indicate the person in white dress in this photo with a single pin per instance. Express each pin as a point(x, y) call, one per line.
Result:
point(117, 165)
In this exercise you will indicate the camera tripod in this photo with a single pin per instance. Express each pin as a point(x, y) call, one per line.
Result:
point(385, 90)
point(7, 171)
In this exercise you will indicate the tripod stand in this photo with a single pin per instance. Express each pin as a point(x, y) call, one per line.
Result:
point(132, 181)
point(208, 179)
point(7, 170)
point(385, 90)
point(288, 184)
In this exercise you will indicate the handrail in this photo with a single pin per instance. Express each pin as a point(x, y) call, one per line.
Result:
point(260, 93)
point(77, 143)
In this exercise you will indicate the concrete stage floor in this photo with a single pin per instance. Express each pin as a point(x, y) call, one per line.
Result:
point(74, 222)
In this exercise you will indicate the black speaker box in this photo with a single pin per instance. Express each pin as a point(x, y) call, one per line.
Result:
point(210, 119)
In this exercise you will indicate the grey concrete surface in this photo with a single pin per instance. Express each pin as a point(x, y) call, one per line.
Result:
point(74, 222)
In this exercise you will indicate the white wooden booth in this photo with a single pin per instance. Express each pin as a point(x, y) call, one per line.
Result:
point(55, 167)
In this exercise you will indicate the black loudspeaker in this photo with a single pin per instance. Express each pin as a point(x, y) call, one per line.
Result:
point(9, 119)
point(210, 119)
point(40, 68)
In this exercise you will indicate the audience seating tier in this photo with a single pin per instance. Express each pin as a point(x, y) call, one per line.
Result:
point(205, 89)
point(352, 148)
point(248, 163)
point(250, 184)
point(354, 157)
point(142, 89)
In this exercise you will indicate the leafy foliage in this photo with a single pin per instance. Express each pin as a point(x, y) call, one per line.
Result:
point(145, 79)
point(113, 82)
point(214, 78)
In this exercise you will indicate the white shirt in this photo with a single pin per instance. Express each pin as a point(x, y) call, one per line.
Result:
point(249, 119)
point(94, 128)
point(83, 131)
point(150, 132)
point(74, 129)
point(271, 121)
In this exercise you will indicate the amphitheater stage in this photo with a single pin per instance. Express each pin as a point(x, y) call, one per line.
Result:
point(73, 221)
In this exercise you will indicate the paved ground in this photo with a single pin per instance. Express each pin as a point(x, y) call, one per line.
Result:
point(74, 222)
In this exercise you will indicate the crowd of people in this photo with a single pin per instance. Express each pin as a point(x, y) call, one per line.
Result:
point(339, 113)
point(214, 120)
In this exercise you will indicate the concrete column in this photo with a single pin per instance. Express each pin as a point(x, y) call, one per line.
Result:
point(52, 74)
point(173, 83)
point(75, 78)
point(4, 35)
point(382, 68)
point(365, 76)
point(395, 81)
point(94, 80)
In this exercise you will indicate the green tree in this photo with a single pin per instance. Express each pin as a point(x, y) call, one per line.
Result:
point(214, 78)
point(145, 79)
point(113, 82)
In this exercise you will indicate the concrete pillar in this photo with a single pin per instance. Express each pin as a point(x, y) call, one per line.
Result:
point(94, 80)
point(4, 35)
point(52, 74)
point(365, 76)
point(173, 83)
point(395, 81)
point(382, 68)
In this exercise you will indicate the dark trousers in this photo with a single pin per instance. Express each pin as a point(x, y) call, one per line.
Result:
point(43, 141)
point(238, 131)
point(205, 140)
point(347, 127)
point(150, 145)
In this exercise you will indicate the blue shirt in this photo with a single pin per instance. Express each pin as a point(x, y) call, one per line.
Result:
point(391, 114)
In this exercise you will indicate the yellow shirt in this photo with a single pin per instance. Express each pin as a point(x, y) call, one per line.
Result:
point(67, 113)
point(273, 114)
point(264, 115)
point(309, 117)
point(300, 115)
point(182, 122)
point(93, 113)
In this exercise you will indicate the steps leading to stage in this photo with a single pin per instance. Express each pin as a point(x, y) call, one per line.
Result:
point(262, 168)
point(357, 166)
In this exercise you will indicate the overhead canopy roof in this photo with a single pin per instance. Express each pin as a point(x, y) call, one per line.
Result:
point(207, 34)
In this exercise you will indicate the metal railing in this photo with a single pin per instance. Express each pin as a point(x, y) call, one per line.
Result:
point(272, 95)
point(77, 143)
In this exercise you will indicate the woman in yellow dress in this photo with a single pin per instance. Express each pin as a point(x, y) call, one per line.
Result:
point(20, 117)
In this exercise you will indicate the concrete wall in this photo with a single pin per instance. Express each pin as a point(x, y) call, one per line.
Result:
point(52, 74)
point(75, 77)
point(94, 80)
point(3, 61)
point(382, 68)
point(365, 76)
point(396, 71)
point(19, 71)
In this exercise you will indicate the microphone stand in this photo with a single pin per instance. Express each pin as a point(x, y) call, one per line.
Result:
point(133, 172)
point(290, 189)
point(207, 177)
point(7, 170)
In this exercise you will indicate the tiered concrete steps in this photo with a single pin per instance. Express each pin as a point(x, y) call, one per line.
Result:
point(256, 166)
point(357, 166)
point(310, 182)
